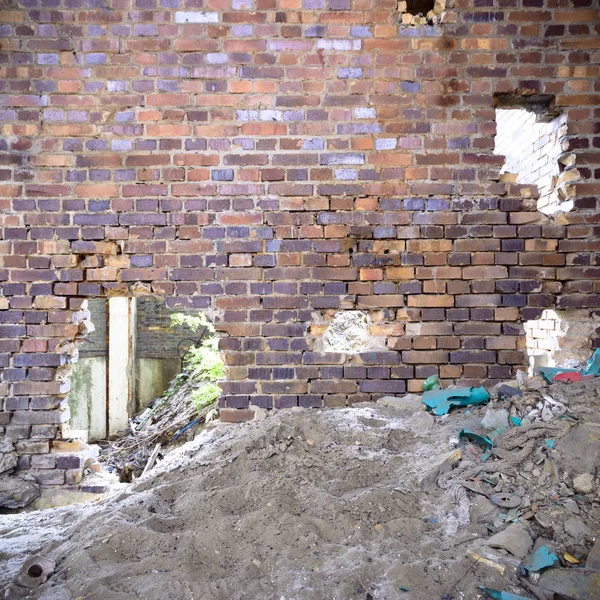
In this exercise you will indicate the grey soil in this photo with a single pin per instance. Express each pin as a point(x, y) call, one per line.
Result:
point(306, 504)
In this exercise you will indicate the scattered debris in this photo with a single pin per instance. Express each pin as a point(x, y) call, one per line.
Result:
point(501, 595)
point(166, 421)
point(449, 463)
point(432, 383)
point(584, 483)
point(506, 392)
point(571, 559)
point(507, 500)
point(514, 539)
point(569, 375)
point(152, 459)
point(478, 439)
point(440, 401)
point(542, 558)
point(577, 529)
point(496, 419)
point(578, 584)
point(487, 561)
point(409, 402)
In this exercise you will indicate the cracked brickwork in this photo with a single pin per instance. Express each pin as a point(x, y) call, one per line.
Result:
point(273, 162)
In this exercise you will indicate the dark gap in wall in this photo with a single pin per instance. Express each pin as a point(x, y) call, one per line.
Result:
point(416, 7)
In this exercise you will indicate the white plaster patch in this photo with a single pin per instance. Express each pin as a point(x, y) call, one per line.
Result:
point(196, 17)
point(339, 44)
point(349, 332)
point(271, 115)
point(345, 174)
point(385, 144)
point(365, 113)
point(216, 58)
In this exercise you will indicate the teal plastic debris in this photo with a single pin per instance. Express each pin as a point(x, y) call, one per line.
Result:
point(475, 437)
point(439, 402)
point(593, 365)
point(432, 383)
point(540, 559)
point(550, 443)
point(478, 439)
point(516, 421)
point(549, 373)
point(591, 368)
point(501, 595)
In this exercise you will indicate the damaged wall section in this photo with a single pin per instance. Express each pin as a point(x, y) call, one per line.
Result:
point(561, 338)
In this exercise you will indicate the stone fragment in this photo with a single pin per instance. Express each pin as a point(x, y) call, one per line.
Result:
point(483, 510)
point(580, 449)
point(260, 414)
point(513, 539)
point(584, 484)
point(8, 461)
point(17, 491)
point(410, 402)
point(8, 456)
point(577, 529)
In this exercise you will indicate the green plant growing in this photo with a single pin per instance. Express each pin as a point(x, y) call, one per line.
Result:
point(206, 395)
point(192, 322)
point(202, 365)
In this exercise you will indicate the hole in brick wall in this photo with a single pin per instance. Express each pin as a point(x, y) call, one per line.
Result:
point(416, 7)
point(349, 332)
point(561, 338)
point(531, 136)
point(135, 355)
point(421, 12)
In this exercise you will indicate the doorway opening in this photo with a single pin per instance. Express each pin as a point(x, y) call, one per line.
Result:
point(135, 356)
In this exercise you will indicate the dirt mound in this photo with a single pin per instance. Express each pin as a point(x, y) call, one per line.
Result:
point(308, 504)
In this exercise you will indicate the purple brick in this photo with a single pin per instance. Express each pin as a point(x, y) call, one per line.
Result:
point(360, 31)
point(96, 145)
point(121, 145)
point(145, 30)
point(95, 58)
point(242, 30)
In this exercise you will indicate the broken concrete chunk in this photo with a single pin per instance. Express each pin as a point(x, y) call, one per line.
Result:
point(408, 402)
point(584, 484)
point(260, 414)
point(573, 583)
point(483, 510)
point(348, 333)
point(577, 529)
point(513, 539)
point(17, 491)
point(593, 559)
point(580, 448)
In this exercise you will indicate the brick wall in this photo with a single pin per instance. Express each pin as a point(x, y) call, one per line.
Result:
point(155, 337)
point(274, 162)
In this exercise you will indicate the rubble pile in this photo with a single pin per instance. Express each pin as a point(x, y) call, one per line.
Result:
point(497, 497)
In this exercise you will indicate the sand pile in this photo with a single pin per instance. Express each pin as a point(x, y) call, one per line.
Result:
point(307, 504)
